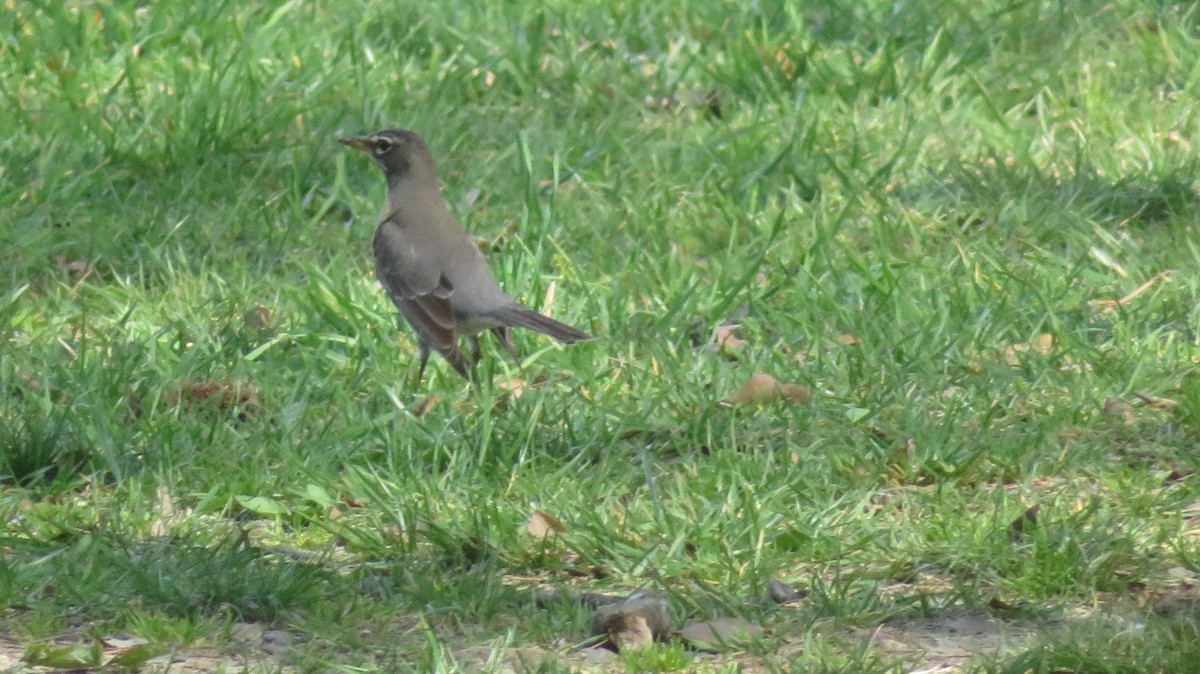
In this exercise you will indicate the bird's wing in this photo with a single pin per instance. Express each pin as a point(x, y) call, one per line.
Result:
point(400, 263)
point(419, 291)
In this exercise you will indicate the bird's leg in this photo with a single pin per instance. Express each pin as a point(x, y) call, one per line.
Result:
point(504, 334)
point(423, 355)
point(476, 352)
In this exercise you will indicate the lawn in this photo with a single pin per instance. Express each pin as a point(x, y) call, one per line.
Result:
point(960, 236)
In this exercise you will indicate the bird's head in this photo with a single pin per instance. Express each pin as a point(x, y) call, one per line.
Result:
point(399, 152)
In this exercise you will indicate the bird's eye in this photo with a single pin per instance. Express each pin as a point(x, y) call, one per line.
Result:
point(382, 145)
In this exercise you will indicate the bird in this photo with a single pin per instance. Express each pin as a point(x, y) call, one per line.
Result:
point(431, 268)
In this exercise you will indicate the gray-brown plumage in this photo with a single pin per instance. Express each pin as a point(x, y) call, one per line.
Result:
point(431, 269)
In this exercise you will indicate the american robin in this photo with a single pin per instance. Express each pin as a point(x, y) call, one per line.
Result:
point(431, 269)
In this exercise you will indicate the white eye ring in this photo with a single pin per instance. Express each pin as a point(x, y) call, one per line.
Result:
point(382, 145)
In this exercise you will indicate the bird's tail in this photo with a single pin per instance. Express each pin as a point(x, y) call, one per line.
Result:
point(524, 317)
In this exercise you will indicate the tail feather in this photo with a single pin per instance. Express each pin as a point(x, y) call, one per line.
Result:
point(524, 317)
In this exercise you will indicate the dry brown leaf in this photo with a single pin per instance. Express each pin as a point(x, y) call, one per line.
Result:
point(1041, 346)
point(723, 337)
point(220, 394)
point(778, 60)
point(763, 388)
point(542, 524)
point(515, 388)
point(847, 339)
point(425, 405)
point(1110, 306)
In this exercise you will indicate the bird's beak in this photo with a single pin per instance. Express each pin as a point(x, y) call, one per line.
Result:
point(360, 142)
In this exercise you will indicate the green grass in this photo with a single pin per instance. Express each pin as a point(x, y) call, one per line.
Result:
point(922, 211)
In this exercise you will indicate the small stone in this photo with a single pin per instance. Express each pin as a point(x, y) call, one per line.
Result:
point(782, 593)
point(648, 605)
point(628, 632)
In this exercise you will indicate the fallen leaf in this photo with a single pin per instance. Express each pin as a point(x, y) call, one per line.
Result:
point(219, 394)
point(548, 297)
point(763, 388)
point(723, 337)
point(847, 339)
point(1041, 346)
point(720, 632)
point(425, 405)
point(1110, 306)
point(542, 524)
point(515, 388)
